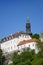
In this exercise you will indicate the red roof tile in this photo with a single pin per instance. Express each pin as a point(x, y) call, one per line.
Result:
point(26, 41)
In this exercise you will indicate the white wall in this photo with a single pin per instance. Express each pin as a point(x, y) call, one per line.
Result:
point(11, 45)
point(31, 45)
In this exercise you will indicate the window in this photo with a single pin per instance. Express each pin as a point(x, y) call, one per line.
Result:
point(11, 47)
point(11, 42)
point(14, 46)
point(25, 36)
point(33, 44)
point(14, 40)
point(18, 47)
point(29, 46)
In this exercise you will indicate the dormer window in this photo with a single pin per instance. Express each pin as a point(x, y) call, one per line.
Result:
point(6, 38)
point(12, 36)
point(23, 35)
point(9, 38)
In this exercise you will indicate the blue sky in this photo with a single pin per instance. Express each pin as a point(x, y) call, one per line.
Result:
point(13, 14)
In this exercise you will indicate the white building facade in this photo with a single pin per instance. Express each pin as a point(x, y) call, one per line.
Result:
point(17, 43)
point(11, 45)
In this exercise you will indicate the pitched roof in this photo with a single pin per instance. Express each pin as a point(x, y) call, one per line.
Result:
point(26, 41)
point(12, 36)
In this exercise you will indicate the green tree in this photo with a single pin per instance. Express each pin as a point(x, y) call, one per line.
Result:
point(25, 58)
point(40, 48)
point(2, 58)
point(28, 57)
point(35, 36)
point(38, 61)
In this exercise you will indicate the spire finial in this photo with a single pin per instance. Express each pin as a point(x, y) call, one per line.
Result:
point(28, 19)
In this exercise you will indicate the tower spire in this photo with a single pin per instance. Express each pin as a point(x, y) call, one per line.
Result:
point(28, 26)
point(28, 20)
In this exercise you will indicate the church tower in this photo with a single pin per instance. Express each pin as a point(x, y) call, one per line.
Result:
point(28, 27)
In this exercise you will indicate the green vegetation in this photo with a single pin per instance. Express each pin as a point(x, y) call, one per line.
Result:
point(35, 36)
point(40, 47)
point(28, 57)
point(2, 58)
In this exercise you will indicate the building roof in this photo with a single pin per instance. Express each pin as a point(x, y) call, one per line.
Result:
point(13, 36)
point(26, 41)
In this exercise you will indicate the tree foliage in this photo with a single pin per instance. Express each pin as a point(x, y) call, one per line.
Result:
point(2, 58)
point(27, 58)
point(38, 61)
point(35, 36)
point(40, 47)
